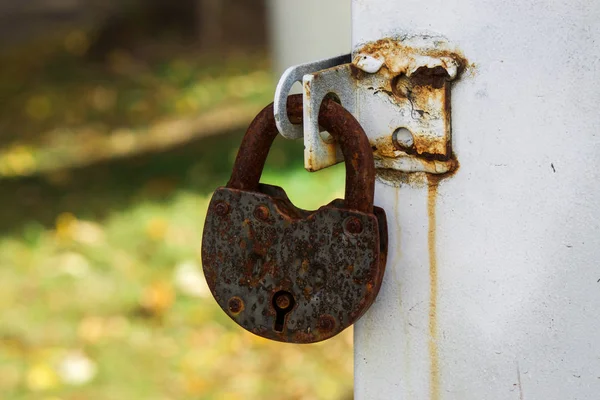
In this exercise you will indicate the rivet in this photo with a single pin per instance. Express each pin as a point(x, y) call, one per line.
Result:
point(326, 323)
point(261, 212)
point(353, 226)
point(222, 208)
point(236, 305)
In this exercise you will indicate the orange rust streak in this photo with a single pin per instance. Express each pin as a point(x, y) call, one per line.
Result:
point(433, 292)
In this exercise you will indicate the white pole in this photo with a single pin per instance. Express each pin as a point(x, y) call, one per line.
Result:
point(492, 288)
point(308, 30)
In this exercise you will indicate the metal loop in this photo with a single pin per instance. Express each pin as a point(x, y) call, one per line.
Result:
point(345, 129)
point(294, 74)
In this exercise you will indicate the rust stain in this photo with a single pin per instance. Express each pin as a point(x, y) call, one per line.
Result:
point(432, 191)
point(432, 194)
point(398, 254)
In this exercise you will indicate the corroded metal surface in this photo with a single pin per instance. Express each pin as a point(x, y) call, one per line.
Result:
point(360, 169)
point(288, 274)
point(292, 75)
point(330, 261)
point(407, 80)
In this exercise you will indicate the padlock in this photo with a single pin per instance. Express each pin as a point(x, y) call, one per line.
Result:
point(288, 274)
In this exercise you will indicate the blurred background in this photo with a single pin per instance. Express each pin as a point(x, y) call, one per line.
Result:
point(117, 121)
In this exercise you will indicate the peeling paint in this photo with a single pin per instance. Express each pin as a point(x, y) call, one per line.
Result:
point(398, 179)
point(406, 55)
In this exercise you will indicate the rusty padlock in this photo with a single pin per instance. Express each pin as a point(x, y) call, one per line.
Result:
point(288, 274)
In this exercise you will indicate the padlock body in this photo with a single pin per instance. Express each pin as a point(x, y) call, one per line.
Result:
point(258, 245)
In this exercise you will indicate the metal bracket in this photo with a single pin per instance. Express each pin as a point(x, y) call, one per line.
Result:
point(320, 150)
point(399, 90)
point(290, 76)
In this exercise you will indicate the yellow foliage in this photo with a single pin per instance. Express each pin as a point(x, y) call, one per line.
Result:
point(232, 396)
point(68, 227)
point(41, 377)
point(158, 298)
point(17, 160)
point(65, 226)
point(196, 384)
point(87, 232)
point(157, 228)
point(123, 141)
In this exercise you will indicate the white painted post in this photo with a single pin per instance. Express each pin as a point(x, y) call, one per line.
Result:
point(308, 30)
point(492, 288)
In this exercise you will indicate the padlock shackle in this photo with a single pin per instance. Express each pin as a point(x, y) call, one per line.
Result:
point(335, 119)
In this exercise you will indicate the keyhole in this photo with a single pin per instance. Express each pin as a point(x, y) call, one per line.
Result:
point(283, 302)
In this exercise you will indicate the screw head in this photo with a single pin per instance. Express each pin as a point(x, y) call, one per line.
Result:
point(261, 212)
point(353, 226)
point(222, 208)
point(236, 305)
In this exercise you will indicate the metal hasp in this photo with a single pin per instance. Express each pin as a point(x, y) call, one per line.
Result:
point(407, 80)
point(290, 76)
point(288, 274)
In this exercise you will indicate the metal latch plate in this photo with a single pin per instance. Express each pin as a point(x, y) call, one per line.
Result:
point(399, 91)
